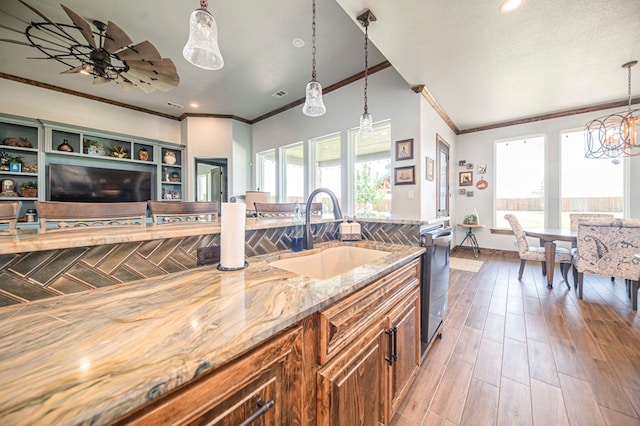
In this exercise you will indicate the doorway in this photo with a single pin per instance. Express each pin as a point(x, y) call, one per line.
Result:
point(442, 177)
point(211, 180)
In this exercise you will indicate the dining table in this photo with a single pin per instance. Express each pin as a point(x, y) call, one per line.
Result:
point(548, 238)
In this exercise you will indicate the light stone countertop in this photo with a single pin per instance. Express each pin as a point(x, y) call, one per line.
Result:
point(27, 240)
point(91, 357)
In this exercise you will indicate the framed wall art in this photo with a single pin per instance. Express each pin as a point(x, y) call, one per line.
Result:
point(405, 175)
point(465, 179)
point(404, 149)
point(431, 165)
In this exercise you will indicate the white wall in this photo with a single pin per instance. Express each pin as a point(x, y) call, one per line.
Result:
point(389, 97)
point(478, 148)
point(240, 164)
point(431, 126)
point(206, 137)
point(33, 102)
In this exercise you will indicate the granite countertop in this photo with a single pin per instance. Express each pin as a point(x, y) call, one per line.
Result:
point(26, 240)
point(91, 357)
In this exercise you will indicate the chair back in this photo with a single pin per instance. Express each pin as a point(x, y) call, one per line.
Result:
point(574, 218)
point(164, 212)
point(284, 209)
point(608, 247)
point(9, 211)
point(518, 231)
point(252, 197)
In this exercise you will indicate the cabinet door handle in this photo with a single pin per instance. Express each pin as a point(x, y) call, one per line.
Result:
point(263, 407)
point(395, 343)
point(390, 358)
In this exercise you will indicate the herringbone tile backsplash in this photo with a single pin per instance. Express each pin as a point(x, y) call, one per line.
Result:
point(42, 274)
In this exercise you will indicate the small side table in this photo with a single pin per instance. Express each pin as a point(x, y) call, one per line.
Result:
point(471, 237)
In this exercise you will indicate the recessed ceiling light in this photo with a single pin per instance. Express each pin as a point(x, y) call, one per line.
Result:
point(298, 42)
point(194, 105)
point(507, 6)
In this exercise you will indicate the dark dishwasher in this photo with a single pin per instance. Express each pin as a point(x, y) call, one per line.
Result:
point(434, 281)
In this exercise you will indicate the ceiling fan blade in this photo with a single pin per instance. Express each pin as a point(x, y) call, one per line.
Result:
point(141, 51)
point(163, 71)
point(22, 43)
point(60, 28)
point(159, 81)
point(124, 83)
point(116, 38)
point(74, 70)
point(82, 24)
point(141, 84)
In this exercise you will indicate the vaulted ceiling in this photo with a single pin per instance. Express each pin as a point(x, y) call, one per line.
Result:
point(482, 67)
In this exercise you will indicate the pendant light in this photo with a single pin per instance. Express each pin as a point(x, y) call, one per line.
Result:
point(366, 120)
point(202, 47)
point(614, 135)
point(313, 104)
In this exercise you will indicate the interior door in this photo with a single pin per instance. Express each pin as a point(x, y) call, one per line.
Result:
point(442, 177)
point(211, 180)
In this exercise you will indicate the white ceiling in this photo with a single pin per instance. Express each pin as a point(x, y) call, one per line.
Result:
point(482, 67)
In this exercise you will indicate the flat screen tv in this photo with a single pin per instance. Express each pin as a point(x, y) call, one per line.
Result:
point(98, 185)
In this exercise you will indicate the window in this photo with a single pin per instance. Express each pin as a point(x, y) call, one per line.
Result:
point(588, 185)
point(327, 168)
point(520, 181)
point(293, 173)
point(371, 171)
point(266, 172)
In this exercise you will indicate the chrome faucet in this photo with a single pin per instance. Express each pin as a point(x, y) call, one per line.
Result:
point(337, 213)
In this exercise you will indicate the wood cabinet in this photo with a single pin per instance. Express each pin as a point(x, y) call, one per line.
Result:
point(266, 385)
point(19, 160)
point(404, 323)
point(94, 148)
point(370, 351)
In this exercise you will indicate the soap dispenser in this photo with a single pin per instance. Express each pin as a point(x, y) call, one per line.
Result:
point(297, 230)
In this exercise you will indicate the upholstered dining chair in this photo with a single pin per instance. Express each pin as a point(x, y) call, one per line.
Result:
point(574, 218)
point(563, 256)
point(608, 247)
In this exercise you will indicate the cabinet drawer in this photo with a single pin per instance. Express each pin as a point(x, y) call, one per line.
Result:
point(269, 375)
point(347, 319)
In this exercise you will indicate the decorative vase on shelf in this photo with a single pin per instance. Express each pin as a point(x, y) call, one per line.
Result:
point(470, 217)
point(170, 158)
point(64, 146)
point(143, 154)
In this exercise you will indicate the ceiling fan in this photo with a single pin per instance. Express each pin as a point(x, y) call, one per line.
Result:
point(106, 52)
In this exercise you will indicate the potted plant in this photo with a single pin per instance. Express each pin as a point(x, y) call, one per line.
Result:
point(119, 151)
point(470, 217)
point(29, 189)
point(10, 162)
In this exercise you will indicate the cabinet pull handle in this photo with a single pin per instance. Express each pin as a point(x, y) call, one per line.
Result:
point(263, 407)
point(390, 358)
point(395, 343)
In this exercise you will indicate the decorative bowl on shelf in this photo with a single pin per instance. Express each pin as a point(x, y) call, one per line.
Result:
point(170, 158)
point(64, 146)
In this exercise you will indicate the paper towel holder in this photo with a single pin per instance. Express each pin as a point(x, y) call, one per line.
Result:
point(228, 269)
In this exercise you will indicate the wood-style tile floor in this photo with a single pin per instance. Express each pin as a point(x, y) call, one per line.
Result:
point(516, 353)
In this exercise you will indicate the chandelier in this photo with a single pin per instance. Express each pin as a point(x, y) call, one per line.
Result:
point(614, 135)
point(366, 120)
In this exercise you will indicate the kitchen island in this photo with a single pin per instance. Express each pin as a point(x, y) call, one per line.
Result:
point(94, 356)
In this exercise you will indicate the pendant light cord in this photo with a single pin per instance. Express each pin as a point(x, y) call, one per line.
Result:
point(313, 40)
point(366, 63)
point(629, 86)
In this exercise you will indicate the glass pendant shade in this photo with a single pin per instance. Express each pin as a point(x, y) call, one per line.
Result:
point(313, 104)
point(366, 124)
point(202, 47)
